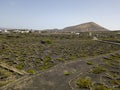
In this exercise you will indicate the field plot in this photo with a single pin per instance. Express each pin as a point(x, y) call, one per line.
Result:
point(112, 37)
point(33, 53)
point(7, 76)
point(99, 73)
point(104, 75)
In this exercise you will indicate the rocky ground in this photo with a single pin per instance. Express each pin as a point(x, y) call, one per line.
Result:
point(102, 71)
point(58, 62)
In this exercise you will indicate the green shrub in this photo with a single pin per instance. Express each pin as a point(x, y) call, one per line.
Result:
point(89, 63)
point(37, 60)
point(84, 82)
point(116, 82)
point(2, 83)
point(60, 59)
point(5, 73)
point(20, 66)
point(66, 73)
point(46, 41)
point(71, 57)
point(46, 66)
point(31, 71)
point(98, 69)
point(47, 58)
point(100, 87)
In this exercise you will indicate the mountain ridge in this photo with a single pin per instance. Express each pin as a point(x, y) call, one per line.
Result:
point(85, 27)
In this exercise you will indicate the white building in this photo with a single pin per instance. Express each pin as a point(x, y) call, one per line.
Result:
point(77, 33)
point(5, 31)
point(24, 31)
point(95, 38)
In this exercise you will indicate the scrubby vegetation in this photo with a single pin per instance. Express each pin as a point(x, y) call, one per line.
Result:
point(104, 76)
point(100, 87)
point(44, 51)
point(98, 69)
point(84, 82)
point(33, 53)
point(89, 63)
point(66, 73)
point(6, 76)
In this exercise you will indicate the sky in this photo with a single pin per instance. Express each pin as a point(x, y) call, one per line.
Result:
point(49, 14)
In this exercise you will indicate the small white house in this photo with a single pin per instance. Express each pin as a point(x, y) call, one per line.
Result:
point(72, 32)
point(95, 38)
point(5, 31)
point(24, 31)
point(118, 33)
point(77, 33)
point(90, 34)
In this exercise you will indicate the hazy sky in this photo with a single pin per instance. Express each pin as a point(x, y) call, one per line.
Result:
point(44, 14)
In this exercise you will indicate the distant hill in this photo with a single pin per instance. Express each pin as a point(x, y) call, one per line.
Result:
point(116, 31)
point(85, 27)
point(3, 28)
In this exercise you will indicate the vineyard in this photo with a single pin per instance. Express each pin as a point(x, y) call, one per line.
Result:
point(32, 53)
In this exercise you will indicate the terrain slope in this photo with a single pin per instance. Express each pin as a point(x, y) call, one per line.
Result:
point(85, 27)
